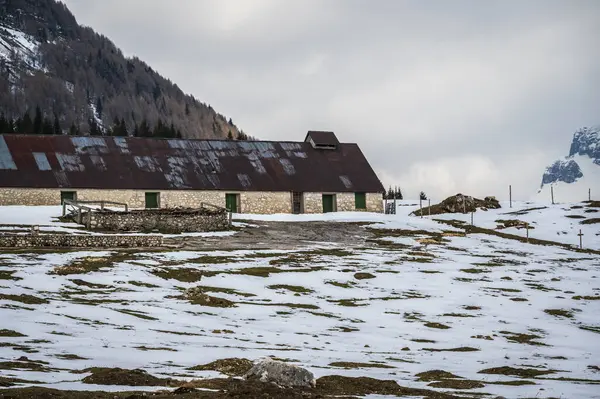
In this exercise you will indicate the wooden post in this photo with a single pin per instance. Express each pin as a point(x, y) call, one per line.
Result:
point(580, 239)
point(510, 195)
point(79, 215)
point(589, 194)
point(471, 218)
point(421, 206)
point(101, 205)
point(64, 208)
point(429, 207)
point(126, 208)
point(527, 226)
point(552, 193)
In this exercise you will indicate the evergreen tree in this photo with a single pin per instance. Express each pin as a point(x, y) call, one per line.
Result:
point(38, 121)
point(136, 130)
point(123, 128)
point(398, 193)
point(114, 129)
point(94, 129)
point(390, 193)
point(144, 129)
point(56, 128)
point(47, 127)
point(26, 124)
point(230, 135)
point(73, 130)
point(3, 124)
point(423, 196)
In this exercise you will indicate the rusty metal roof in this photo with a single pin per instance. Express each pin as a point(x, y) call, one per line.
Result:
point(174, 164)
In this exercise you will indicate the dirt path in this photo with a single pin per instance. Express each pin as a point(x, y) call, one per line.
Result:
point(280, 235)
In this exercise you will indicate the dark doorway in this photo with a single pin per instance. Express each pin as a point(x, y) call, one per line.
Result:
point(329, 203)
point(297, 203)
point(152, 200)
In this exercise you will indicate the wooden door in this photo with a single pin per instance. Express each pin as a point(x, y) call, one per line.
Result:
point(328, 203)
point(297, 200)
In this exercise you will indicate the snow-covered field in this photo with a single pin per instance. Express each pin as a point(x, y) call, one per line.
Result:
point(428, 298)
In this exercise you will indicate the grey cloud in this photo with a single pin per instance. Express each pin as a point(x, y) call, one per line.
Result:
point(441, 96)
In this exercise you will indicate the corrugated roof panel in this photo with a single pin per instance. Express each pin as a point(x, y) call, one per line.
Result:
point(42, 161)
point(89, 145)
point(61, 178)
point(288, 168)
point(147, 163)
point(244, 180)
point(346, 181)
point(176, 173)
point(70, 163)
point(6, 159)
point(121, 142)
point(98, 162)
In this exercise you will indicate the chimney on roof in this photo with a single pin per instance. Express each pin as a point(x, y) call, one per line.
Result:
point(322, 140)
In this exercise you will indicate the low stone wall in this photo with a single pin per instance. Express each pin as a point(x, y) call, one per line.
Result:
point(162, 220)
point(79, 241)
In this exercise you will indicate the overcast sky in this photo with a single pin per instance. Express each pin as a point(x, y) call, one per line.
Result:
point(442, 96)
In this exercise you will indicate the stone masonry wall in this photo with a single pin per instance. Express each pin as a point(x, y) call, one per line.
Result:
point(162, 220)
point(345, 202)
point(79, 241)
point(250, 202)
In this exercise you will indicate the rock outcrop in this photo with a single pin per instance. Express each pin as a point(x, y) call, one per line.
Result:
point(281, 374)
point(460, 203)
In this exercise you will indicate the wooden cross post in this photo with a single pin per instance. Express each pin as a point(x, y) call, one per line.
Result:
point(580, 239)
point(429, 207)
point(421, 206)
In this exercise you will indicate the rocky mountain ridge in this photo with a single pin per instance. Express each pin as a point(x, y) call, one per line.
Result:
point(80, 78)
point(585, 144)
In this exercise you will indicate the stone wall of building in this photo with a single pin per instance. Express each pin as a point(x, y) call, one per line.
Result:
point(79, 241)
point(345, 202)
point(250, 202)
point(162, 220)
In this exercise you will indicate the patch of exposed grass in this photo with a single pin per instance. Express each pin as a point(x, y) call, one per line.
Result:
point(591, 221)
point(11, 333)
point(140, 284)
point(134, 313)
point(439, 326)
point(457, 384)
point(293, 288)
point(24, 363)
point(150, 348)
point(559, 313)
point(8, 275)
point(457, 315)
point(234, 367)
point(586, 298)
point(485, 337)
point(354, 365)
point(213, 260)
point(288, 305)
point(24, 298)
point(470, 307)
point(90, 285)
point(197, 296)
point(595, 329)
point(435, 375)
point(219, 290)
point(89, 264)
point(474, 271)
point(117, 376)
point(68, 356)
point(424, 341)
point(430, 271)
point(519, 299)
point(265, 271)
point(347, 302)
point(514, 371)
point(502, 289)
point(460, 349)
point(179, 274)
point(349, 284)
point(363, 276)
point(520, 338)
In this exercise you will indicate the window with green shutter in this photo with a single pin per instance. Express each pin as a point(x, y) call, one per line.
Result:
point(360, 200)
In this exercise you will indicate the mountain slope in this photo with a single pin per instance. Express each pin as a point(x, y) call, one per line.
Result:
point(48, 60)
point(573, 176)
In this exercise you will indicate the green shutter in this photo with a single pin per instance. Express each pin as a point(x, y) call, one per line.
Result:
point(360, 200)
point(151, 200)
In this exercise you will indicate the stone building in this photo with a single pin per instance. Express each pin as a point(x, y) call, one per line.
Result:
point(319, 174)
